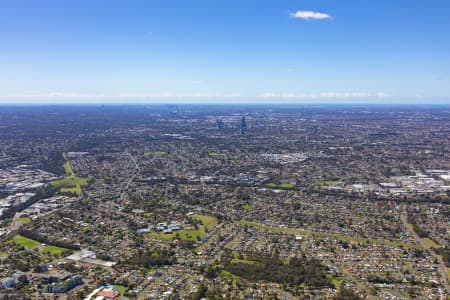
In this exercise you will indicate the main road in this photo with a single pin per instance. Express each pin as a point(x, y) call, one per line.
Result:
point(130, 180)
point(442, 267)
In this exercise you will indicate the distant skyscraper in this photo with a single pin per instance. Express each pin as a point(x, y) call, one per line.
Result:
point(243, 126)
point(219, 124)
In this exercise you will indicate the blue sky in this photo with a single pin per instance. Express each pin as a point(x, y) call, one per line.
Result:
point(225, 50)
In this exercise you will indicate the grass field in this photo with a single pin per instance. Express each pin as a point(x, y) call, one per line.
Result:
point(185, 235)
point(229, 276)
point(272, 228)
point(68, 169)
point(70, 183)
point(31, 244)
point(53, 250)
point(247, 207)
point(215, 154)
point(148, 215)
point(24, 220)
point(157, 153)
point(335, 280)
point(271, 185)
point(243, 261)
point(327, 183)
point(285, 186)
point(24, 242)
point(208, 221)
point(430, 243)
point(340, 237)
point(121, 289)
point(188, 235)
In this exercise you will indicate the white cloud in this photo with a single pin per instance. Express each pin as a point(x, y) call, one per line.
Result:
point(309, 15)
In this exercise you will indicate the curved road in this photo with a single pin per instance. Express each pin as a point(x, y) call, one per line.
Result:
point(442, 267)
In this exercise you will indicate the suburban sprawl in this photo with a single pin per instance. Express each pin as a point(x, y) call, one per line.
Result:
point(223, 202)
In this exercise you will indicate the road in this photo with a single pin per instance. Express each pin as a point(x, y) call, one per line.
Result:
point(442, 267)
point(130, 180)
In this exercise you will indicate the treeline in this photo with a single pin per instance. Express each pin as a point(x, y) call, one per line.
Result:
point(445, 253)
point(272, 269)
point(43, 193)
point(54, 163)
point(346, 294)
point(200, 293)
point(378, 279)
point(149, 259)
point(18, 260)
point(420, 232)
point(44, 240)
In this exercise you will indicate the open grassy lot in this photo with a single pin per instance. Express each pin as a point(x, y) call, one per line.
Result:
point(121, 289)
point(24, 220)
point(188, 234)
point(430, 243)
point(247, 207)
point(285, 186)
point(330, 235)
point(156, 153)
point(243, 261)
point(161, 236)
point(229, 276)
point(31, 244)
point(216, 154)
point(272, 228)
point(148, 215)
point(185, 235)
point(327, 183)
point(208, 221)
point(24, 242)
point(335, 280)
point(70, 183)
point(53, 250)
point(68, 169)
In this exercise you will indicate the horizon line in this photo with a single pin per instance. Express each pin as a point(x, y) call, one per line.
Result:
point(223, 103)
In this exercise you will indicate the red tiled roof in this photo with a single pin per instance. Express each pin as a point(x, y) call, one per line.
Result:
point(108, 293)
